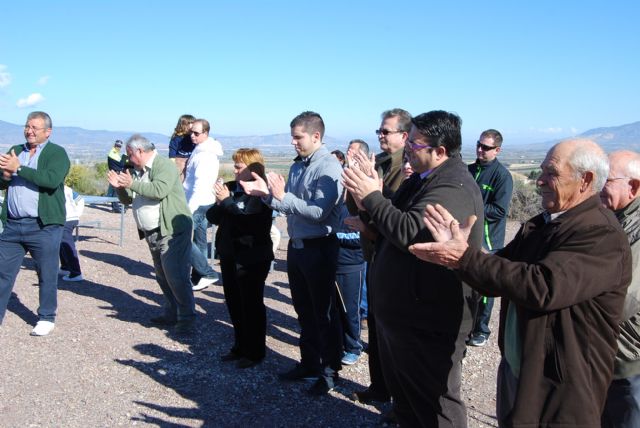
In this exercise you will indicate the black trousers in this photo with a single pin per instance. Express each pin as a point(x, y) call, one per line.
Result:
point(244, 294)
point(376, 376)
point(422, 370)
point(312, 272)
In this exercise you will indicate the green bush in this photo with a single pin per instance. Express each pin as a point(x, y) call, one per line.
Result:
point(87, 180)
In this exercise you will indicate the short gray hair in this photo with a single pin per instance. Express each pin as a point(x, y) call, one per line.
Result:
point(41, 115)
point(589, 156)
point(137, 141)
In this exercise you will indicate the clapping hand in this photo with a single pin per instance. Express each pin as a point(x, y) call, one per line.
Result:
point(450, 237)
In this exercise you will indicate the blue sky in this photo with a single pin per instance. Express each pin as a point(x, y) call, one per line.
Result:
point(535, 70)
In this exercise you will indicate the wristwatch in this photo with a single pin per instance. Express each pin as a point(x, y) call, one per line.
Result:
point(18, 170)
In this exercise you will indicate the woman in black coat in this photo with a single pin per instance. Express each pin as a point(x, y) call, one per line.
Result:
point(245, 249)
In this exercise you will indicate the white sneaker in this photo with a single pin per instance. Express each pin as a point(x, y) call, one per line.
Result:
point(73, 278)
point(42, 328)
point(63, 272)
point(204, 283)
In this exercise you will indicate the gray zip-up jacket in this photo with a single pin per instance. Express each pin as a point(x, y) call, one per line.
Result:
point(311, 199)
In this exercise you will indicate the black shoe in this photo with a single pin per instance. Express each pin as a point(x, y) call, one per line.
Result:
point(245, 363)
point(322, 386)
point(389, 418)
point(369, 395)
point(163, 320)
point(231, 356)
point(185, 327)
point(299, 372)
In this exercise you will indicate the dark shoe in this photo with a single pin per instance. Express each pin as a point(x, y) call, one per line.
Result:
point(322, 386)
point(163, 320)
point(369, 395)
point(231, 356)
point(299, 372)
point(245, 363)
point(478, 339)
point(185, 327)
point(389, 418)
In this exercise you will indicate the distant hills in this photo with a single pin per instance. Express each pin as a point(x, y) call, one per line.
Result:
point(88, 145)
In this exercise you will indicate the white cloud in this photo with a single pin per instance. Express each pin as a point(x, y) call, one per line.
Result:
point(30, 101)
point(43, 80)
point(5, 77)
point(549, 130)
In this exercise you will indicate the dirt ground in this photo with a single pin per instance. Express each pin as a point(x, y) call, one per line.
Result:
point(105, 365)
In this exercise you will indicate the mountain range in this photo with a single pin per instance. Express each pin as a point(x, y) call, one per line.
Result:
point(88, 145)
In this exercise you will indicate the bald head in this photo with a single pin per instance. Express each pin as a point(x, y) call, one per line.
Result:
point(623, 183)
point(573, 171)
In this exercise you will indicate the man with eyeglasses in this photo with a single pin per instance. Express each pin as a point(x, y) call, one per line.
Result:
point(201, 173)
point(422, 310)
point(621, 194)
point(33, 214)
point(496, 187)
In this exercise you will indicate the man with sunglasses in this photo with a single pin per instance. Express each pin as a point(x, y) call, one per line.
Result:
point(422, 310)
point(496, 186)
point(201, 173)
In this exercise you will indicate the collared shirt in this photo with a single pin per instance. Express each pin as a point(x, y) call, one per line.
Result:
point(22, 195)
point(146, 211)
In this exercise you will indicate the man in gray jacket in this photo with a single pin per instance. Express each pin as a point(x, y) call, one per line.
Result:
point(621, 193)
point(310, 201)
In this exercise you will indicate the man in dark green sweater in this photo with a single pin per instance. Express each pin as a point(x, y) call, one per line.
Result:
point(33, 215)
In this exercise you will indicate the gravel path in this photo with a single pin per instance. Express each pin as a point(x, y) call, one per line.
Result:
point(105, 365)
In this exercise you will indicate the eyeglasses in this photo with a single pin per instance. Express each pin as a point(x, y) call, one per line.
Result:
point(609, 180)
point(386, 132)
point(415, 147)
point(196, 133)
point(484, 147)
point(32, 128)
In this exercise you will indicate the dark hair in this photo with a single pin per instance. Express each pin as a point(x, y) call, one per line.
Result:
point(205, 125)
point(404, 118)
point(440, 128)
point(496, 136)
point(310, 121)
point(338, 154)
point(364, 147)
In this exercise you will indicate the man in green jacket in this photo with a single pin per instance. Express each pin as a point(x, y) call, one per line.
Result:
point(164, 221)
point(33, 215)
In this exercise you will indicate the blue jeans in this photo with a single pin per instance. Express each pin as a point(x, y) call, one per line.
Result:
point(199, 249)
point(350, 285)
point(170, 260)
point(364, 303)
point(43, 243)
point(622, 407)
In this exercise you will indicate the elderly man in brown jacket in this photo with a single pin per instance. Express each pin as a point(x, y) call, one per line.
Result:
point(563, 280)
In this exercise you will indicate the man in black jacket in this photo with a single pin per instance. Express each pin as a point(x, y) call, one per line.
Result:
point(496, 186)
point(423, 310)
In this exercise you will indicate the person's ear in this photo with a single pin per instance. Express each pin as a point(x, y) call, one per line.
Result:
point(634, 187)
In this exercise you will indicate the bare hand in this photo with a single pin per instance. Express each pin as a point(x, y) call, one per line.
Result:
point(451, 238)
point(276, 184)
point(257, 187)
point(112, 178)
point(364, 164)
point(359, 184)
point(9, 162)
point(125, 179)
point(221, 191)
